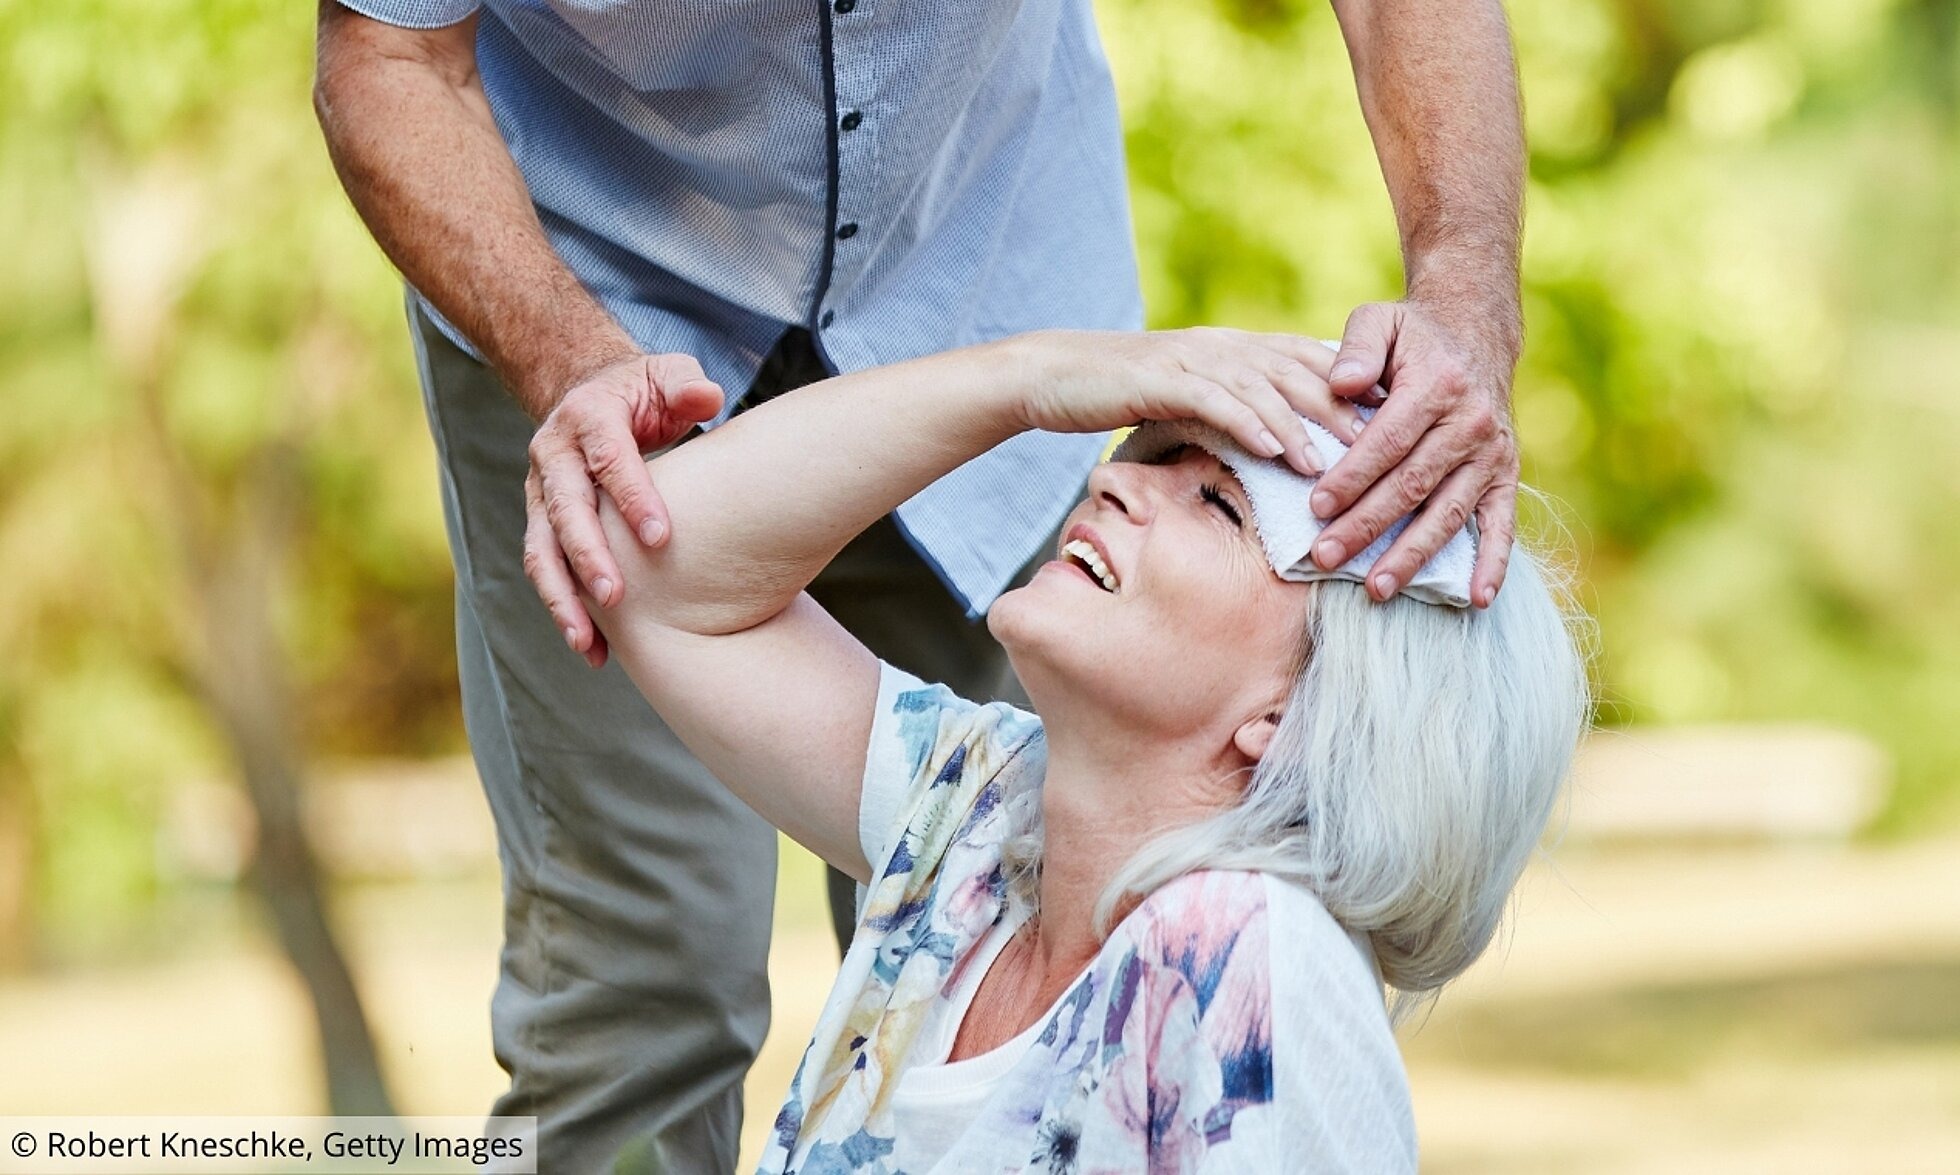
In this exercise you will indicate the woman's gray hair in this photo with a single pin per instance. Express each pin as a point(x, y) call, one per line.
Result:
point(1421, 754)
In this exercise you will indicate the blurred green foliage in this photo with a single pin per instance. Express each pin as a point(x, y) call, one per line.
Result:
point(1741, 296)
point(1741, 305)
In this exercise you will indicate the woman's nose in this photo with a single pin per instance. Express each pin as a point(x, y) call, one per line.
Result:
point(1122, 486)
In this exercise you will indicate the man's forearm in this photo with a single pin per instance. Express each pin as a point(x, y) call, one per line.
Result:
point(414, 142)
point(1438, 87)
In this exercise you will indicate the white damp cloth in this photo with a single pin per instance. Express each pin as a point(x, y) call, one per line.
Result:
point(1285, 521)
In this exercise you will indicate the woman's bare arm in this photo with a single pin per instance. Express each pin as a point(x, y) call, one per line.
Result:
point(756, 679)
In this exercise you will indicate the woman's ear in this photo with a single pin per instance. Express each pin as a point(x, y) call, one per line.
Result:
point(1254, 735)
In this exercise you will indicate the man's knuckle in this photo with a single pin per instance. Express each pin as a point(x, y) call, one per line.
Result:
point(1451, 380)
point(1411, 483)
point(602, 454)
point(560, 504)
point(1452, 514)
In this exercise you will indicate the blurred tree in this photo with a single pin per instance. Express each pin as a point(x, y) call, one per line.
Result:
point(213, 473)
point(231, 527)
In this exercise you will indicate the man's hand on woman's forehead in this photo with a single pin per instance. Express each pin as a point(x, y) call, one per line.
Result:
point(1442, 441)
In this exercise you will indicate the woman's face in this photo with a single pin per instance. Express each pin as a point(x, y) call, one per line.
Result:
point(1161, 605)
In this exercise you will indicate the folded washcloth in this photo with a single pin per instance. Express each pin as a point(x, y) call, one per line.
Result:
point(1287, 525)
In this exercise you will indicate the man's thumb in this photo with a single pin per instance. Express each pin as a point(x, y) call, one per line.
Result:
point(695, 401)
point(1364, 351)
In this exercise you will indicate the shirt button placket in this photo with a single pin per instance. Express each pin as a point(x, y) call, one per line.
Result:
point(853, 62)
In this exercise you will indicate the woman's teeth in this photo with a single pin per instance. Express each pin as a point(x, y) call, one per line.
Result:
point(1085, 554)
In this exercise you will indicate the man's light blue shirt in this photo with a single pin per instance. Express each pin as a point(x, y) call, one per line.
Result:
point(900, 177)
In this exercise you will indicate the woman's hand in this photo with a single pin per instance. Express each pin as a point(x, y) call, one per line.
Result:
point(1255, 387)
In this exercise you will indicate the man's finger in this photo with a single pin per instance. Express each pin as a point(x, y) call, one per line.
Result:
point(544, 565)
point(1441, 517)
point(571, 503)
point(1433, 459)
point(1365, 346)
point(1390, 436)
point(612, 456)
point(1497, 520)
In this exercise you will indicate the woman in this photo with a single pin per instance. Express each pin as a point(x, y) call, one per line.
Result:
point(1145, 927)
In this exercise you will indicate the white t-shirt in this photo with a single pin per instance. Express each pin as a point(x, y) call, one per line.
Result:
point(937, 1099)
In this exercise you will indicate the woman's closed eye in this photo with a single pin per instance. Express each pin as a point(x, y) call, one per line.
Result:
point(1214, 496)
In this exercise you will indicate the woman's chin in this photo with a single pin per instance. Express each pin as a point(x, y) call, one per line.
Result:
point(1032, 613)
point(1050, 620)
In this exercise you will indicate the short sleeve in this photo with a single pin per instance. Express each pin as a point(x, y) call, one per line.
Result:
point(416, 14)
point(921, 735)
point(1342, 1091)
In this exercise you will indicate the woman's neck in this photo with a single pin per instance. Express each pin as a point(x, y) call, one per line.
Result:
point(1102, 800)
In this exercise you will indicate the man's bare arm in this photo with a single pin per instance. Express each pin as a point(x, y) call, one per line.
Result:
point(411, 134)
point(1438, 87)
point(412, 137)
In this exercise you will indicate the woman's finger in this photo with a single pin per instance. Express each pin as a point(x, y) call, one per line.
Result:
point(1191, 395)
point(1311, 353)
point(1245, 373)
point(1309, 396)
point(1317, 357)
point(1258, 388)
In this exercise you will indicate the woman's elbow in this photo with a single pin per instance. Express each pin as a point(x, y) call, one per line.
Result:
point(676, 585)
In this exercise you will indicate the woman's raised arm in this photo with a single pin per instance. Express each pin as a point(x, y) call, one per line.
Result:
point(763, 686)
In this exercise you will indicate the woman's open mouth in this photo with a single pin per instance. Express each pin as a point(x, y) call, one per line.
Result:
point(1079, 553)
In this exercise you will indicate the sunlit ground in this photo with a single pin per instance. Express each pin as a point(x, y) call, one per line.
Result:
point(1711, 1010)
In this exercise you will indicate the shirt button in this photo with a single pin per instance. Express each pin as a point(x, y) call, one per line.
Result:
point(852, 120)
point(844, 6)
point(829, 316)
point(847, 230)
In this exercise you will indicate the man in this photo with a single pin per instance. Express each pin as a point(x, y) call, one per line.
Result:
point(610, 210)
